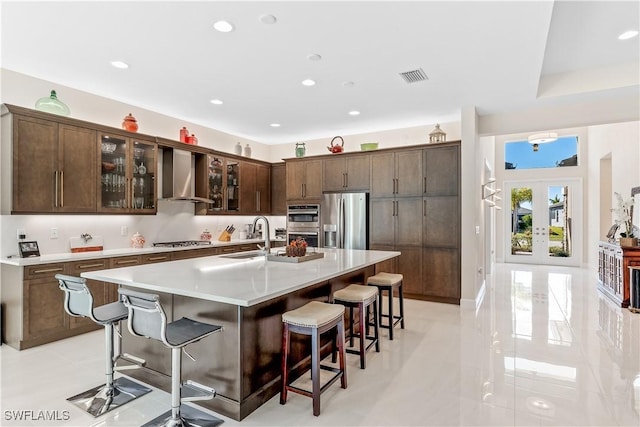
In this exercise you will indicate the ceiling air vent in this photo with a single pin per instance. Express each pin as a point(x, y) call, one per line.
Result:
point(414, 76)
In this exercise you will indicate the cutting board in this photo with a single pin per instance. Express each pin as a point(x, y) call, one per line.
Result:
point(78, 244)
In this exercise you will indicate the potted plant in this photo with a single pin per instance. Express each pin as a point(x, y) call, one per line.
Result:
point(623, 218)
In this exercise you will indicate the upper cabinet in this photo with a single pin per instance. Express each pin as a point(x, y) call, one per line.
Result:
point(346, 173)
point(442, 171)
point(304, 179)
point(255, 188)
point(54, 167)
point(217, 179)
point(128, 180)
point(397, 173)
point(278, 191)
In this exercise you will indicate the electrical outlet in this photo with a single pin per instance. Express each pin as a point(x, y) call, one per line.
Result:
point(124, 230)
point(54, 233)
point(22, 234)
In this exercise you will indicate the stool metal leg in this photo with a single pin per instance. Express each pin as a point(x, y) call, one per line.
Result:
point(401, 306)
point(112, 394)
point(391, 314)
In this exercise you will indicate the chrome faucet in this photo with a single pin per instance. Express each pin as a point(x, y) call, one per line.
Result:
point(267, 242)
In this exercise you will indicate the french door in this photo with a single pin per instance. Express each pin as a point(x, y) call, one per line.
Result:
point(544, 222)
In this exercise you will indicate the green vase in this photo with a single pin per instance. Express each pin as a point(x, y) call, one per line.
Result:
point(52, 104)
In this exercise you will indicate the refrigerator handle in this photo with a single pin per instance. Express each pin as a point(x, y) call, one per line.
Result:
point(342, 223)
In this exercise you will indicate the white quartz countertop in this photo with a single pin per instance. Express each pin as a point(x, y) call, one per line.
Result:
point(112, 253)
point(242, 282)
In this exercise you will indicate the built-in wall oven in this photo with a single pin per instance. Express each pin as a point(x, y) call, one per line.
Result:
point(304, 221)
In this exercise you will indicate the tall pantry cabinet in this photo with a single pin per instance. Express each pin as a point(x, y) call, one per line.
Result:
point(415, 209)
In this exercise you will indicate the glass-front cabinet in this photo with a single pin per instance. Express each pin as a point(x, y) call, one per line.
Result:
point(221, 179)
point(128, 179)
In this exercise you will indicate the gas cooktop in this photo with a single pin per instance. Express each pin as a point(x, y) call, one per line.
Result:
point(183, 243)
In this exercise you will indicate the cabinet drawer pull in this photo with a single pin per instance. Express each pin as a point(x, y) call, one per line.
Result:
point(47, 270)
point(157, 258)
point(127, 261)
point(90, 266)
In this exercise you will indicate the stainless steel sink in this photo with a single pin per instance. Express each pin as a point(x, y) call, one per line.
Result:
point(244, 255)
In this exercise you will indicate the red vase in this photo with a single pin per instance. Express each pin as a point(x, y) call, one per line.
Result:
point(130, 123)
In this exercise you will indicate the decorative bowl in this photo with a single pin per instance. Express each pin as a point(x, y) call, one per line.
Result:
point(108, 147)
point(369, 146)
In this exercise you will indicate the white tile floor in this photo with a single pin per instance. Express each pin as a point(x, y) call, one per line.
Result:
point(545, 348)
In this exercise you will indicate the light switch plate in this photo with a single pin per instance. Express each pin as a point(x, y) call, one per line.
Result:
point(54, 233)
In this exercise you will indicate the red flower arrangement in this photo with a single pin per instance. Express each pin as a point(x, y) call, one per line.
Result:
point(297, 248)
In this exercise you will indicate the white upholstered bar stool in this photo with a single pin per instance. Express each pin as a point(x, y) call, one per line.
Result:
point(147, 319)
point(360, 297)
point(313, 318)
point(78, 302)
point(388, 282)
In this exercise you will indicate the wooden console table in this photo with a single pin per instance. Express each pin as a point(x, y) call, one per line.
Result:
point(613, 270)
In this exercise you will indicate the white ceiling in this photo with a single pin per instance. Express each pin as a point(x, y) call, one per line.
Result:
point(495, 56)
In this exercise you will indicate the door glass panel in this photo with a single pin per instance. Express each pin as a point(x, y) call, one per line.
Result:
point(233, 198)
point(114, 173)
point(521, 221)
point(143, 176)
point(215, 183)
point(559, 222)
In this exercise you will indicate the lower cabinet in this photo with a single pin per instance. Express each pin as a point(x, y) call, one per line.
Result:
point(33, 304)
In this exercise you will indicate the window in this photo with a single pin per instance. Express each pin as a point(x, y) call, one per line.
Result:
point(563, 152)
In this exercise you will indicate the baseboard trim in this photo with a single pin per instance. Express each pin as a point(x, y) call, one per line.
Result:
point(474, 304)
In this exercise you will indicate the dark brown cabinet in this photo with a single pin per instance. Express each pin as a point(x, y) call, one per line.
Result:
point(278, 189)
point(417, 212)
point(397, 173)
point(304, 179)
point(54, 167)
point(255, 188)
point(346, 173)
point(128, 177)
point(218, 179)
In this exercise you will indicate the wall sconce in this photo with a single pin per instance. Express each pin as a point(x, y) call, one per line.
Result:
point(490, 194)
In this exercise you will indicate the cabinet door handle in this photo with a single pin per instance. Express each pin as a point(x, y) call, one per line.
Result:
point(157, 258)
point(126, 261)
point(257, 201)
point(424, 185)
point(62, 189)
point(47, 270)
point(304, 190)
point(55, 189)
point(346, 180)
point(424, 208)
point(81, 267)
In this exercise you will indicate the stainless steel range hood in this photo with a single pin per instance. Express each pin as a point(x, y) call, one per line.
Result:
point(178, 177)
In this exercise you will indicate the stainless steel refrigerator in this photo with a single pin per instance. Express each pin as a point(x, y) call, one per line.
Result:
point(344, 220)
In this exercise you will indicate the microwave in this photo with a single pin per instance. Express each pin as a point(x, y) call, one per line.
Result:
point(303, 216)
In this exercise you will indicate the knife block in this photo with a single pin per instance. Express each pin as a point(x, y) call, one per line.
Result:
point(225, 236)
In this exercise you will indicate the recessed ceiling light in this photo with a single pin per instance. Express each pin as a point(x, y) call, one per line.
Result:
point(628, 35)
point(348, 84)
point(120, 64)
point(275, 125)
point(308, 82)
point(223, 26)
point(268, 19)
point(354, 113)
point(216, 102)
point(314, 57)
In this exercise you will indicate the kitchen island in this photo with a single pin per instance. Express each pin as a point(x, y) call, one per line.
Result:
point(246, 295)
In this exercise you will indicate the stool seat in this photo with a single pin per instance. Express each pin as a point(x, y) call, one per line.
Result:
point(109, 313)
point(313, 315)
point(185, 330)
point(385, 279)
point(356, 293)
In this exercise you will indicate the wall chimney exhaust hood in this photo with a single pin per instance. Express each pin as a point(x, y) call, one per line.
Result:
point(177, 177)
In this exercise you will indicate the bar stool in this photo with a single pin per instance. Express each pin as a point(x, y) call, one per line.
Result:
point(387, 282)
point(313, 318)
point(147, 319)
point(361, 297)
point(78, 302)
